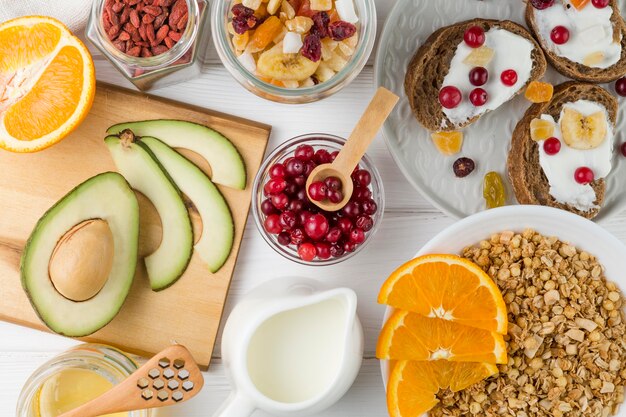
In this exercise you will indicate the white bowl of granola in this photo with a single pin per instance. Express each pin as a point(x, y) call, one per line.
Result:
point(592, 262)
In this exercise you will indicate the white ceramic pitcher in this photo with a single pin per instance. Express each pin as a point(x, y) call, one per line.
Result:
point(321, 345)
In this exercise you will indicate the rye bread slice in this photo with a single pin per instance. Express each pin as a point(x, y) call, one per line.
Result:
point(530, 184)
point(578, 71)
point(431, 63)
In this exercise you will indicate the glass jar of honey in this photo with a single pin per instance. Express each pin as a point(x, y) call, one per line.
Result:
point(74, 378)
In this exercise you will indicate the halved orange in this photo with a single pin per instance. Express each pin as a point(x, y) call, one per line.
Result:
point(411, 336)
point(448, 287)
point(412, 385)
point(47, 83)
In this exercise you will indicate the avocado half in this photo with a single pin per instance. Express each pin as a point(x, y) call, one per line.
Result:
point(108, 197)
point(144, 173)
point(227, 166)
point(218, 228)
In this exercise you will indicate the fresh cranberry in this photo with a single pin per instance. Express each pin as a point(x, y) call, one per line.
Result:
point(620, 86)
point(267, 207)
point(361, 194)
point(275, 186)
point(450, 97)
point(320, 24)
point(365, 223)
point(509, 77)
point(297, 236)
point(312, 48)
point(478, 76)
point(301, 195)
point(323, 250)
point(284, 238)
point(304, 152)
point(333, 155)
point(478, 97)
point(345, 225)
point(280, 201)
point(559, 35)
point(306, 252)
point(317, 191)
point(333, 183)
point(277, 171)
point(335, 196)
point(309, 166)
point(322, 156)
point(288, 219)
point(357, 236)
point(272, 224)
point(583, 175)
point(341, 30)
point(303, 216)
point(336, 251)
point(316, 226)
point(541, 4)
point(623, 148)
point(294, 167)
point(362, 177)
point(352, 209)
point(333, 235)
point(291, 188)
point(300, 180)
point(349, 246)
point(296, 206)
point(600, 4)
point(552, 146)
point(369, 207)
point(474, 36)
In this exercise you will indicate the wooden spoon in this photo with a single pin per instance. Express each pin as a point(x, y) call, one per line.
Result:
point(360, 139)
point(170, 377)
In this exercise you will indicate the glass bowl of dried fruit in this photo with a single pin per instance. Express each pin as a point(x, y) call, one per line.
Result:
point(294, 51)
point(295, 227)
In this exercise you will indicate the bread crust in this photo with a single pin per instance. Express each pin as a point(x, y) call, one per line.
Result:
point(578, 71)
point(530, 184)
point(431, 62)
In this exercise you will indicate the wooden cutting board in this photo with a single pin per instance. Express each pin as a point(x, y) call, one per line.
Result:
point(189, 312)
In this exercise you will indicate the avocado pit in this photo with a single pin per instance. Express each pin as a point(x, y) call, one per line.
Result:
point(82, 260)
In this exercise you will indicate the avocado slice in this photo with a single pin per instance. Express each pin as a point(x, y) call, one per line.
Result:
point(107, 197)
point(227, 166)
point(218, 228)
point(143, 172)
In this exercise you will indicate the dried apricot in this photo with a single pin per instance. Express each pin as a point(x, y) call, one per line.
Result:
point(448, 143)
point(265, 33)
point(240, 41)
point(538, 92)
point(493, 190)
point(541, 129)
point(579, 4)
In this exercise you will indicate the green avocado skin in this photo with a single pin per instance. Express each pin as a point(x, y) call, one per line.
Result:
point(94, 319)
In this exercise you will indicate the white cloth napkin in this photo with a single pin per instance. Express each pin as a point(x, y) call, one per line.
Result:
point(74, 13)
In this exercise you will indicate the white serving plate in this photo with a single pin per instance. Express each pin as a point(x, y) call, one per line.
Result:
point(568, 227)
point(486, 141)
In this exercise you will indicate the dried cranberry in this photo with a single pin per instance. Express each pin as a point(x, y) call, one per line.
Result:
point(463, 167)
point(241, 10)
point(336, 251)
point(341, 30)
point(297, 236)
point(320, 24)
point(242, 24)
point(312, 48)
point(364, 222)
point(288, 220)
point(541, 4)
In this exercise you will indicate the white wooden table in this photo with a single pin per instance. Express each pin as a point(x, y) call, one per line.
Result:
point(408, 223)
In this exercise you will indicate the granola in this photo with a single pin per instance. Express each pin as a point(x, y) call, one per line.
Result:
point(566, 339)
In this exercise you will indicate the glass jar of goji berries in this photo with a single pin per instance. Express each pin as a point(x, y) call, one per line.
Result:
point(153, 43)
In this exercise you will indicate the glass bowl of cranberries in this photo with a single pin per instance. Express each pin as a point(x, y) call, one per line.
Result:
point(294, 51)
point(295, 227)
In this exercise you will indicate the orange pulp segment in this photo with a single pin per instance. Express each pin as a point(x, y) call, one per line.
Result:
point(447, 287)
point(410, 336)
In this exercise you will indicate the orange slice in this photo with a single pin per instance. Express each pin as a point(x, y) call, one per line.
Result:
point(47, 83)
point(410, 336)
point(412, 385)
point(448, 287)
